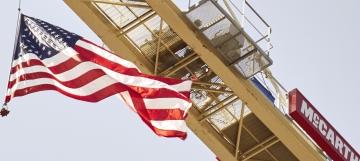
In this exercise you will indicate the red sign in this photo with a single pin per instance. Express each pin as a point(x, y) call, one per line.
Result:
point(319, 129)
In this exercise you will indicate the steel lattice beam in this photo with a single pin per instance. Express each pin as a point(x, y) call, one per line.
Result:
point(297, 143)
point(120, 3)
point(108, 34)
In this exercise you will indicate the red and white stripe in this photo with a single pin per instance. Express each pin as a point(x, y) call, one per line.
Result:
point(90, 73)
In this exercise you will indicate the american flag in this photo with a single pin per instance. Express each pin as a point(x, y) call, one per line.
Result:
point(48, 57)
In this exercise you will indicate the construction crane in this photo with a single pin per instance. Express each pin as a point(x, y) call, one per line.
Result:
point(239, 108)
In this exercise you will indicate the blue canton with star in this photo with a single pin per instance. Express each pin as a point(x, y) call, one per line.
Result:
point(43, 46)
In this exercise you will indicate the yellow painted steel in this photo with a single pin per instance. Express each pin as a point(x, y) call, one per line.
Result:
point(106, 32)
point(298, 144)
point(282, 128)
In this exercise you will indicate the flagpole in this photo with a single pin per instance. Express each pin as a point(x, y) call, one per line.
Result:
point(4, 111)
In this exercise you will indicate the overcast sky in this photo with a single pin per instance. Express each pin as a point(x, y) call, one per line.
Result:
point(315, 50)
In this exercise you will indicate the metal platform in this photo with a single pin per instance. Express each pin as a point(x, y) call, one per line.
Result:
point(230, 114)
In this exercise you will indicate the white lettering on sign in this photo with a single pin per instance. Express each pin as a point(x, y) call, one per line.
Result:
point(332, 137)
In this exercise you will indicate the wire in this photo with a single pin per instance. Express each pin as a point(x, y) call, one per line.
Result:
point(15, 44)
point(280, 106)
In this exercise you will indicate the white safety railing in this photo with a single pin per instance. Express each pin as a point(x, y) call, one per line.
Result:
point(244, 14)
